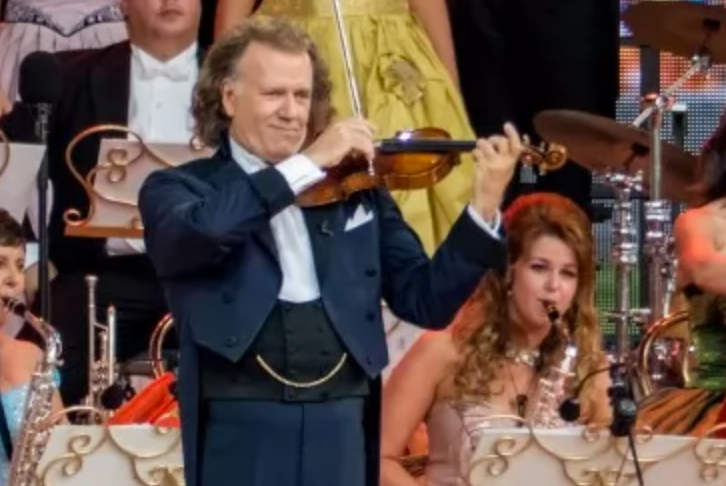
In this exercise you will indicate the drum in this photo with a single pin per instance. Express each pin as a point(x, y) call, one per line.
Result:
point(155, 403)
point(665, 355)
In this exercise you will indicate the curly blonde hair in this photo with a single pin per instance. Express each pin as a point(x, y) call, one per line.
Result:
point(482, 328)
point(220, 66)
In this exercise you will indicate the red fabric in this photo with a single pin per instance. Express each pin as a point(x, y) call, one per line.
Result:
point(154, 405)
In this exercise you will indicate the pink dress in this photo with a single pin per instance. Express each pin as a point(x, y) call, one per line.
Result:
point(454, 431)
point(53, 26)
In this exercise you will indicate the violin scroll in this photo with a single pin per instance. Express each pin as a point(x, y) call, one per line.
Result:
point(546, 156)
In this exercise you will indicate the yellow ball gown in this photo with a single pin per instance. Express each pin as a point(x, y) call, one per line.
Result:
point(403, 85)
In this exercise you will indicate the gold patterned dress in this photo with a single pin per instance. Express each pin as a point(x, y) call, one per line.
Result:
point(694, 410)
point(403, 85)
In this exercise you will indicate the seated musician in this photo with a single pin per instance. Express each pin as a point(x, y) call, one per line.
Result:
point(491, 358)
point(701, 277)
point(18, 125)
point(18, 359)
point(146, 85)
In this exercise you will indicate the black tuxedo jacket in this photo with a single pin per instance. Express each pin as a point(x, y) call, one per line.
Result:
point(207, 232)
point(96, 89)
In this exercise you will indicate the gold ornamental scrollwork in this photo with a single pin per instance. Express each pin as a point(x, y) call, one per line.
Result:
point(114, 168)
point(497, 461)
point(5, 160)
point(78, 446)
point(712, 457)
point(82, 446)
point(498, 458)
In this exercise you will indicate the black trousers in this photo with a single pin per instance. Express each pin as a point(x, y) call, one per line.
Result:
point(130, 285)
point(276, 443)
point(519, 57)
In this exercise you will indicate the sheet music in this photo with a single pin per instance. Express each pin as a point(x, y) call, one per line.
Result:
point(18, 189)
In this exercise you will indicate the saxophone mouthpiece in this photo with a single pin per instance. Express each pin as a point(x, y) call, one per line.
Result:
point(552, 313)
point(14, 306)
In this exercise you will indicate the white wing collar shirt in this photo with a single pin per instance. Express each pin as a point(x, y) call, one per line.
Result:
point(289, 231)
point(160, 100)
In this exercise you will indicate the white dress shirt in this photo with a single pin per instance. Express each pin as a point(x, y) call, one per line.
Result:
point(289, 231)
point(160, 100)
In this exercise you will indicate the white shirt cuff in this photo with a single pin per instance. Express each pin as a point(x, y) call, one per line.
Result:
point(300, 172)
point(493, 228)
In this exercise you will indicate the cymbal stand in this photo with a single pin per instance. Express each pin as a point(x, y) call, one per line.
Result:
point(657, 209)
point(625, 257)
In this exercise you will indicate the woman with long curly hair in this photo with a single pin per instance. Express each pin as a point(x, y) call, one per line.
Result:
point(490, 360)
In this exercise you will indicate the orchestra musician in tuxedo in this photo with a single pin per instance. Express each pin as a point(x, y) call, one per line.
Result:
point(144, 84)
point(278, 305)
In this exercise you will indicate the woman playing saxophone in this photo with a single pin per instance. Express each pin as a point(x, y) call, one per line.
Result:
point(499, 353)
point(18, 359)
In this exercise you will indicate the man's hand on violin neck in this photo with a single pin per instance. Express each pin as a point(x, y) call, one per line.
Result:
point(496, 159)
point(342, 139)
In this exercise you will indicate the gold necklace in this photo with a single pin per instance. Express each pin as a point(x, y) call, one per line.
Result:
point(527, 357)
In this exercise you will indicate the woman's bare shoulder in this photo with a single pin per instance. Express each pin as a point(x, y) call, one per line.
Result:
point(438, 344)
point(22, 352)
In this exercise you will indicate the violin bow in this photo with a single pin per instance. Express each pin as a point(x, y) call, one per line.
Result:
point(353, 92)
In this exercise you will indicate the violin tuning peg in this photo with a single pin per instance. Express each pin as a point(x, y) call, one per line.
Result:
point(525, 139)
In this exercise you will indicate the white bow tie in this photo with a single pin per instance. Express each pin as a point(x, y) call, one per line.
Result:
point(173, 72)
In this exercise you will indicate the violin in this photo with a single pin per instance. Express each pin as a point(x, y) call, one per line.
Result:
point(415, 159)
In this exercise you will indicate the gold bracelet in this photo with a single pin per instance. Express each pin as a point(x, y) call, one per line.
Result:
point(299, 384)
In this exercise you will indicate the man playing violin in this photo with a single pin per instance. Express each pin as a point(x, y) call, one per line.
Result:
point(278, 305)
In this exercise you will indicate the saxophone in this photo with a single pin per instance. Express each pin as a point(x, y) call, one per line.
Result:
point(551, 389)
point(36, 429)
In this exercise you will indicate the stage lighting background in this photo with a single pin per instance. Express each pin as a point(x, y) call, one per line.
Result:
point(704, 97)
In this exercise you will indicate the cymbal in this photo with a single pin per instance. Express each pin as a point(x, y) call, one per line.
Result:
point(603, 145)
point(679, 27)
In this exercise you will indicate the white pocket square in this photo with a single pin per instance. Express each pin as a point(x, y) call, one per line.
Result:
point(359, 218)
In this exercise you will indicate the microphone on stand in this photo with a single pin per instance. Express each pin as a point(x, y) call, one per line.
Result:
point(40, 86)
point(625, 410)
point(570, 407)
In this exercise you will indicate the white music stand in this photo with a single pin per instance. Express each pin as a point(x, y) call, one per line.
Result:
point(517, 456)
point(113, 185)
point(121, 455)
